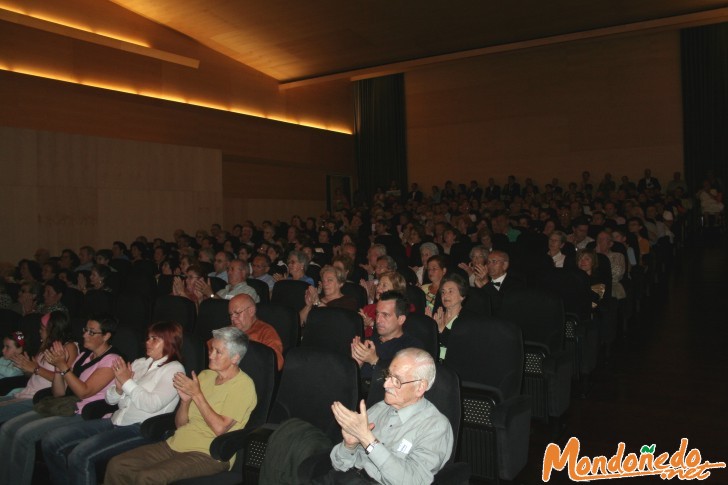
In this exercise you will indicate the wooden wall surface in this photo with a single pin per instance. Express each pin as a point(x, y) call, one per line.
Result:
point(601, 105)
point(65, 190)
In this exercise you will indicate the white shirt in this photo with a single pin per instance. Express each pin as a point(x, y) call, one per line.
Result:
point(499, 280)
point(149, 393)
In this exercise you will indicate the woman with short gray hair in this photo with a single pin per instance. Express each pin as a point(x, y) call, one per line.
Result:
point(219, 400)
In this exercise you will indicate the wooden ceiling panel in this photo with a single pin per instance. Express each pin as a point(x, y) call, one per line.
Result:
point(291, 40)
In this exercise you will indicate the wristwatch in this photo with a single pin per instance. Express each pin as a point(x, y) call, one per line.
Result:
point(64, 372)
point(371, 446)
point(36, 370)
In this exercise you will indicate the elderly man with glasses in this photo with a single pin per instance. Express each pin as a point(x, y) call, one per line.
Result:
point(403, 439)
point(243, 316)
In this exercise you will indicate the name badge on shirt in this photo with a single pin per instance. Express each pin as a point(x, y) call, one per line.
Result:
point(404, 446)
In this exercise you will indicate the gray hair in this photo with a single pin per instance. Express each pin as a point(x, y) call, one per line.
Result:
point(381, 249)
point(301, 257)
point(424, 364)
point(479, 249)
point(391, 263)
point(432, 247)
point(236, 341)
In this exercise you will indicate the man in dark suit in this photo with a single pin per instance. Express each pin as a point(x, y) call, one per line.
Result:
point(498, 280)
point(492, 191)
point(415, 193)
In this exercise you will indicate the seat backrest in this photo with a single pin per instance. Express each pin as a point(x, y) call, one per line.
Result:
point(140, 279)
point(216, 283)
point(488, 352)
point(357, 291)
point(73, 300)
point(122, 266)
point(444, 394)
point(30, 326)
point(416, 297)
point(213, 314)
point(332, 329)
point(127, 342)
point(311, 381)
point(132, 310)
point(259, 364)
point(176, 308)
point(291, 293)
point(424, 329)
point(261, 288)
point(284, 319)
point(165, 282)
point(574, 288)
point(478, 302)
point(97, 302)
point(540, 314)
point(194, 354)
point(10, 317)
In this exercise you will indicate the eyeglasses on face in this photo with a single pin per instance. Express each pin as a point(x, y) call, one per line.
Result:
point(396, 382)
point(92, 332)
point(236, 313)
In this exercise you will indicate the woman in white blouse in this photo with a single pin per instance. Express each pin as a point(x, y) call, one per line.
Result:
point(141, 389)
point(557, 239)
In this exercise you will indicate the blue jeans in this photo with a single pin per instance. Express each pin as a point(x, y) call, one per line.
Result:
point(71, 452)
point(11, 407)
point(17, 440)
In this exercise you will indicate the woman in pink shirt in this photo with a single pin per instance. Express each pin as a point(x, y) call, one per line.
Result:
point(87, 379)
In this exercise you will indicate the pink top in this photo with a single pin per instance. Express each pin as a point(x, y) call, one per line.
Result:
point(36, 382)
point(106, 361)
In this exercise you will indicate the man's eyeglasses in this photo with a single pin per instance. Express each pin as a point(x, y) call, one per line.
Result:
point(238, 312)
point(91, 332)
point(396, 382)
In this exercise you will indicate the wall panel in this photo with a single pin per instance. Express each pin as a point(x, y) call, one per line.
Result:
point(66, 190)
point(602, 105)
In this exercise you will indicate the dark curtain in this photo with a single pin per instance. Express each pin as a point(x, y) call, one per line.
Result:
point(705, 102)
point(380, 137)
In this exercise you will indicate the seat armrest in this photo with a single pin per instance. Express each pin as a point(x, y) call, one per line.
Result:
point(158, 427)
point(453, 474)
point(97, 409)
point(505, 412)
point(225, 446)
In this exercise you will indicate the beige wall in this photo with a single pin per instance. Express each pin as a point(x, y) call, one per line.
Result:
point(603, 105)
point(63, 190)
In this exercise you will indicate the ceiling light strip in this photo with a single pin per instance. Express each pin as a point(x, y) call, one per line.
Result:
point(136, 92)
point(93, 38)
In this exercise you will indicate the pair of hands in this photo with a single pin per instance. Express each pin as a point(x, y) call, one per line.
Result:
point(122, 373)
point(312, 296)
point(438, 317)
point(355, 427)
point(26, 302)
point(187, 387)
point(23, 362)
point(201, 289)
point(370, 286)
point(363, 351)
point(482, 277)
point(57, 356)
